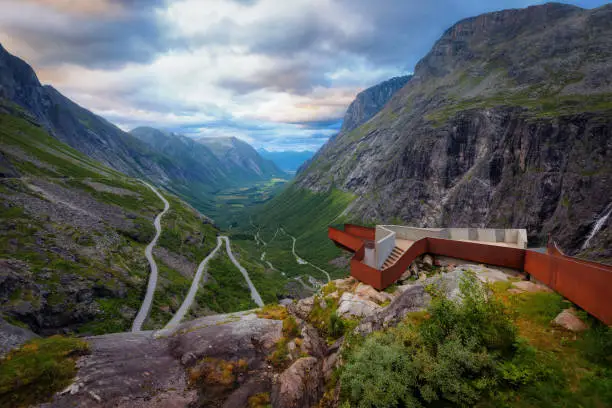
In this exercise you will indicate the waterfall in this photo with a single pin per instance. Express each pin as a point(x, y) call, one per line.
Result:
point(598, 225)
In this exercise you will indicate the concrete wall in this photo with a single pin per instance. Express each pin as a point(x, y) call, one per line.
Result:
point(413, 234)
point(385, 242)
point(512, 236)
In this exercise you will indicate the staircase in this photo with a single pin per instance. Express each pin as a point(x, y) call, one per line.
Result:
point(393, 257)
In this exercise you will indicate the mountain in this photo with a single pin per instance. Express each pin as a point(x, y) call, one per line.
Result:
point(370, 101)
point(240, 159)
point(78, 127)
point(73, 234)
point(505, 123)
point(287, 160)
point(200, 164)
point(194, 179)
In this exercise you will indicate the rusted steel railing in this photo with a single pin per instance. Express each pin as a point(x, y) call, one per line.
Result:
point(585, 283)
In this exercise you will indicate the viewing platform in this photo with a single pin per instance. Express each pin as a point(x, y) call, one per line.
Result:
point(383, 253)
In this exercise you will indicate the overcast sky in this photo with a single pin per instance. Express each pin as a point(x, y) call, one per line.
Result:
point(276, 73)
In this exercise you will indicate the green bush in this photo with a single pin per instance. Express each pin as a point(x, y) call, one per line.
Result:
point(336, 325)
point(463, 352)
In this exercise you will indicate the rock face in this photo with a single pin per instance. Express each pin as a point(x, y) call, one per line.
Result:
point(138, 370)
point(12, 336)
point(371, 101)
point(507, 102)
point(300, 385)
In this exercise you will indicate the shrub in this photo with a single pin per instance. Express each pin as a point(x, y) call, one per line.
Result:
point(336, 325)
point(290, 327)
point(460, 353)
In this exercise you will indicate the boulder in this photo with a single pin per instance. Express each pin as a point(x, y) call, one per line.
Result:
point(568, 320)
point(412, 298)
point(351, 306)
point(345, 284)
point(300, 385)
point(484, 273)
point(367, 292)
point(428, 260)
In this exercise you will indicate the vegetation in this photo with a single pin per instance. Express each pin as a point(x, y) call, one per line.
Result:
point(215, 371)
point(306, 216)
point(107, 258)
point(485, 351)
point(33, 373)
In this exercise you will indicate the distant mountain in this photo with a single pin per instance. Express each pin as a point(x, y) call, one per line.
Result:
point(287, 160)
point(198, 161)
point(240, 160)
point(370, 101)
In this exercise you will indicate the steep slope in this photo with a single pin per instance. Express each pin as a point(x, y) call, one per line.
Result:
point(370, 101)
point(507, 122)
point(287, 160)
point(105, 142)
point(240, 160)
point(73, 234)
point(206, 175)
point(76, 126)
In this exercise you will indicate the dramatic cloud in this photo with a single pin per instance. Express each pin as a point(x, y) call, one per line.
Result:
point(276, 73)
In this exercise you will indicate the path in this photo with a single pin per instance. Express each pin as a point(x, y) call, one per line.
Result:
point(148, 299)
point(254, 294)
point(195, 285)
point(303, 261)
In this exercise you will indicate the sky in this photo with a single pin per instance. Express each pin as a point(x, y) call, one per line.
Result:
point(278, 74)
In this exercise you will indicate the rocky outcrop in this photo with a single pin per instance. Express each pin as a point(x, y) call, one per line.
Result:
point(482, 120)
point(12, 336)
point(139, 370)
point(300, 385)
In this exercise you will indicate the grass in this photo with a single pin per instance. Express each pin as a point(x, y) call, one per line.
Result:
point(581, 362)
point(110, 260)
point(306, 216)
point(538, 105)
point(33, 373)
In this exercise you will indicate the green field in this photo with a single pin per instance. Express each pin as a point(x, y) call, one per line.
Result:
point(230, 204)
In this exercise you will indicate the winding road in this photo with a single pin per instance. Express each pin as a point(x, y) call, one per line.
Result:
point(254, 294)
point(146, 303)
point(303, 261)
point(195, 285)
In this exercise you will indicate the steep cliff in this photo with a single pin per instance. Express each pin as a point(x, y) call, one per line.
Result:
point(370, 101)
point(507, 122)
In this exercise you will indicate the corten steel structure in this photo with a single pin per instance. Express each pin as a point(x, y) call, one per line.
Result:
point(586, 284)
